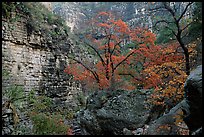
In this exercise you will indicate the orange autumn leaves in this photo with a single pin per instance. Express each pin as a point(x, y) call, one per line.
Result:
point(162, 64)
point(107, 68)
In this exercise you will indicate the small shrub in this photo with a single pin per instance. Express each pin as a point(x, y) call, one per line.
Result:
point(39, 103)
point(7, 8)
point(164, 36)
point(81, 98)
point(49, 124)
point(16, 95)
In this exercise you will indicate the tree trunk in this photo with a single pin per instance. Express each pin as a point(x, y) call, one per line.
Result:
point(112, 83)
point(186, 54)
point(187, 64)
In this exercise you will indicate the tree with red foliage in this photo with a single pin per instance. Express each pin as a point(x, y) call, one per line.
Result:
point(111, 64)
point(161, 65)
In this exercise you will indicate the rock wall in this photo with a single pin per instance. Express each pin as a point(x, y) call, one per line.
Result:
point(35, 62)
point(70, 11)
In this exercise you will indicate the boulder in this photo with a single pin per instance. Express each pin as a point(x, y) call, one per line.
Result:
point(193, 95)
point(171, 123)
point(109, 113)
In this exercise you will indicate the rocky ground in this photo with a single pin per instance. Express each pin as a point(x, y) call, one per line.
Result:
point(124, 113)
point(127, 113)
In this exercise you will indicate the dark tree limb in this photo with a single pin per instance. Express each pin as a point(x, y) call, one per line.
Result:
point(87, 68)
point(103, 62)
point(128, 74)
point(164, 21)
point(115, 47)
point(187, 26)
point(123, 60)
point(182, 14)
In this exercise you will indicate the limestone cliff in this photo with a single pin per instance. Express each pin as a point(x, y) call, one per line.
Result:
point(36, 60)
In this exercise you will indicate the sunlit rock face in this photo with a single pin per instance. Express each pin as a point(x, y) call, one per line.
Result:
point(48, 5)
point(136, 14)
point(70, 11)
point(36, 61)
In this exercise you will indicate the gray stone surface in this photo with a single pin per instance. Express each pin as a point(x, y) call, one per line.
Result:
point(111, 113)
point(166, 124)
point(36, 61)
point(193, 93)
point(8, 111)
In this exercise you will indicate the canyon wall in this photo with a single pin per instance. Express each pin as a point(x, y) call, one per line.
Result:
point(36, 61)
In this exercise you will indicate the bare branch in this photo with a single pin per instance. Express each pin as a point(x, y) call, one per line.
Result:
point(124, 60)
point(164, 21)
point(170, 10)
point(172, 31)
point(156, 8)
point(128, 74)
point(187, 26)
point(184, 35)
point(184, 10)
point(103, 62)
point(86, 67)
point(175, 9)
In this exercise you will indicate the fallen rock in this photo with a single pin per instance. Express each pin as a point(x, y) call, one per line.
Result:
point(170, 123)
point(109, 113)
point(193, 95)
point(8, 111)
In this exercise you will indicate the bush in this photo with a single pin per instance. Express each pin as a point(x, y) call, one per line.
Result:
point(16, 95)
point(38, 103)
point(7, 8)
point(165, 35)
point(48, 124)
point(45, 123)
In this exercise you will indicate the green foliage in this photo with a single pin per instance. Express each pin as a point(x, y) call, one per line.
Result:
point(81, 98)
point(195, 30)
point(48, 124)
point(165, 35)
point(5, 73)
point(44, 122)
point(7, 8)
point(39, 103)
point(15, 94)
point(10, 7)
point(125, 49)
point(70, 115)
point(31, 97)
point(39, 17)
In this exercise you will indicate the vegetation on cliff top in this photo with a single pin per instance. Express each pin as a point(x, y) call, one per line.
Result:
point(39, 18)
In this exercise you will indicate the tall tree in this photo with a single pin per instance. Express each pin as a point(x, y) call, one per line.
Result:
point(105, 40)
point(178, 25)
